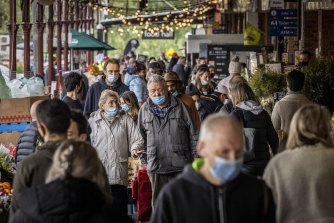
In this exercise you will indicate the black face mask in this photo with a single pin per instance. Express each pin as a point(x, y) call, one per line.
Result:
point(303, 64)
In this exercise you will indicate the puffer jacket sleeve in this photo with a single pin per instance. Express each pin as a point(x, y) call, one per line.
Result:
point(137, 87)
point(92, 135)
point(193, 131)
point(272, 135)
point(135, 139)
point(27, 142)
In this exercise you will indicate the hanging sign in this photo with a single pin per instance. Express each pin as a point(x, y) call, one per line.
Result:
point(158, 35)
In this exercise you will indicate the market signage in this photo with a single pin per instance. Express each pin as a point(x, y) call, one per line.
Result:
point(283, 22)
point(158, 35)
point(276, 4)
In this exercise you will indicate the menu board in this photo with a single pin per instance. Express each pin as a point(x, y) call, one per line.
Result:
point(218, 56)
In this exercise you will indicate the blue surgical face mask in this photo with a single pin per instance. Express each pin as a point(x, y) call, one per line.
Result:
point(111, 113)
point(112, 78)
point(159, 100)
point(226, 170)
point(125, 108)
point(204, 82)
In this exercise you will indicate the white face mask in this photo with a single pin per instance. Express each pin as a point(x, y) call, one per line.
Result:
point(204, 82)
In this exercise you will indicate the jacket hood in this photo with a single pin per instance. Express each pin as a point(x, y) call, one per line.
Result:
point(251, 106)
point(191, 173)
point(130, 77)
point(70, 200)
point(50, 146)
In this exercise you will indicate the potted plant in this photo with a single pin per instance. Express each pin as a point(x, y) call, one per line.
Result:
point(265, 83)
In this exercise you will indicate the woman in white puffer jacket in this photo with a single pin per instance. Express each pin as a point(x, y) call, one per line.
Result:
point(113, 135)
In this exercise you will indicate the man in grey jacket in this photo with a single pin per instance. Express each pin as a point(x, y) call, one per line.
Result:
point(169, 135)
point(285, 108)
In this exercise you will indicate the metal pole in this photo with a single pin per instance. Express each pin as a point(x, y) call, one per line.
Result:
point(59, 28)
point(50, 46)
point(40, 29)
point(12, 29)
point(26, 35)
point(66, 24)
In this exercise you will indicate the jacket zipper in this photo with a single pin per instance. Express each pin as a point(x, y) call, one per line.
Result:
point(221, 204)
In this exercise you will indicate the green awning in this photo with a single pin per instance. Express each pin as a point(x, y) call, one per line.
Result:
point(83, 41)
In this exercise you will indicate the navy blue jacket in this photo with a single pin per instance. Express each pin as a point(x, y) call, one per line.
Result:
point(27, 142)
point(94, 93)
point(181, 72)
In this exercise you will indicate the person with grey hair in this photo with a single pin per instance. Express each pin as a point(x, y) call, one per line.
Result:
point(179, 68)
point(213, 189)
point(113, 135)
point(301, 177)
point(169, 133)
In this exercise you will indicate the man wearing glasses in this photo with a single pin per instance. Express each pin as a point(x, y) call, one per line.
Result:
point(169, 135)
point(111, 81)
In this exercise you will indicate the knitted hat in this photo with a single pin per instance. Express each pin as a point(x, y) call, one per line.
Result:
point(234, 67)
point(171, 76)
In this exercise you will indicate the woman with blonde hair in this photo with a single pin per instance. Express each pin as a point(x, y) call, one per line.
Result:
point(301, 177)
point(113, 135)
point(202, 83)
point(130, 105)
point(74, 190)
point(251, 114)
point(201, 90)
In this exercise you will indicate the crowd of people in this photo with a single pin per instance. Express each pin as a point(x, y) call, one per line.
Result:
point(212, 153)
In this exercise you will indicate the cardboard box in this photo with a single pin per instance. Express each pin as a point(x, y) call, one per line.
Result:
point(9, 138)
point(13, 110)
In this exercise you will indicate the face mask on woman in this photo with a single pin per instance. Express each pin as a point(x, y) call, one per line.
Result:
point(204, 82)
point(226, 170)
point(111, 113)
point(125, 108)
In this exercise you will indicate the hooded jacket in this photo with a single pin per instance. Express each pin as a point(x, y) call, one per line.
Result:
point(27, 142)
point(252, 115)
point(137, 85)
point(190, 198)
point(71, 200)
point(171, 144)
point(113, 141)
point(94, 93)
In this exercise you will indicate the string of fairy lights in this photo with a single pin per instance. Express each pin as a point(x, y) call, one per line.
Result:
point(135, 20)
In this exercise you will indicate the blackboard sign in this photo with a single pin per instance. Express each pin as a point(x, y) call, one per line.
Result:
point(218, 56)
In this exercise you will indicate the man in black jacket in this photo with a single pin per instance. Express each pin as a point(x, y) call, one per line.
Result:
point(53, 120)
point(29, 138)
point(111, 81)
point(213, 189)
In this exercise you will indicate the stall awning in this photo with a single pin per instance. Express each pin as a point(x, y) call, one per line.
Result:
point(83, 41)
